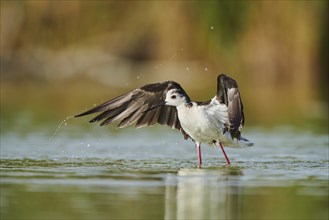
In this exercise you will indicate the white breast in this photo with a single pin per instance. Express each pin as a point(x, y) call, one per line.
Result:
point(203, 123)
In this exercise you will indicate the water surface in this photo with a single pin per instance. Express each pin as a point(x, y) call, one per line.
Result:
point(152, 173)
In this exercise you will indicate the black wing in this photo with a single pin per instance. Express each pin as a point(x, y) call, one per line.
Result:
point(228, 94)
point(138, 106)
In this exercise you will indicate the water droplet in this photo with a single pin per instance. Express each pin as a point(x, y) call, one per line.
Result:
point(88, 145)
point(205, 69)
point(156, 67)
point(187, 68)
point(212, 27)
point(59, 126)
point(138, 77)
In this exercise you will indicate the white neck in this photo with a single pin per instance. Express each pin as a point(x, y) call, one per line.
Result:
point(185, 106)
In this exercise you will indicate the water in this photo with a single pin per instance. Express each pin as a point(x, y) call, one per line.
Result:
point(151, 173)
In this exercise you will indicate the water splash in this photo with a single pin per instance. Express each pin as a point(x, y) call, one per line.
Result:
point(60, 125)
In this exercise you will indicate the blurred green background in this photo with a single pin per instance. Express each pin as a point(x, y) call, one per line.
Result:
point(59, 58)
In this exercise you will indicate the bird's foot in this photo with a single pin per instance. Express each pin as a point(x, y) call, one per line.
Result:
point(227, 165)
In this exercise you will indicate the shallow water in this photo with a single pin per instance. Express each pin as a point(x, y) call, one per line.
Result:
point(151, 173)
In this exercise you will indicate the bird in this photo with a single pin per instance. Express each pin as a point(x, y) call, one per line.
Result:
point(218, 121)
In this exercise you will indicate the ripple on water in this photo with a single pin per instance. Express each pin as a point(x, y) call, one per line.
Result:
point(278, 158)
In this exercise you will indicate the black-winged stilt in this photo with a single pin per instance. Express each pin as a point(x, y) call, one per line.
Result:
point(217, 121)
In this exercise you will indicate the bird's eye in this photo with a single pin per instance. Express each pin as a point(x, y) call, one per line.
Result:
point(173, 96)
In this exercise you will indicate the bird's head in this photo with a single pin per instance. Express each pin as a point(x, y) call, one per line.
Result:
point(175, 97)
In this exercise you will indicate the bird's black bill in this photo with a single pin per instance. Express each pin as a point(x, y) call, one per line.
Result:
point(155, 106)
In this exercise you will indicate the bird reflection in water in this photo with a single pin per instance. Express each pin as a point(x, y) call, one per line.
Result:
point(204, 194)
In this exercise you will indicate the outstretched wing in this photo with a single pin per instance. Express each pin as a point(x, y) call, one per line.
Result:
point(139, 106)
point(228, 94)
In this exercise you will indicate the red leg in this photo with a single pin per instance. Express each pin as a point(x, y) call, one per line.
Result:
point(227, 160)
point(199, 154)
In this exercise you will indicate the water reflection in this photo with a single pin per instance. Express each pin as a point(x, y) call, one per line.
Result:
point(32, 189)
point(108, 177)
point(204, 194)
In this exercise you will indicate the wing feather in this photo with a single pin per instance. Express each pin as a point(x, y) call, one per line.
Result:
point(228, 94)
point(136, 107)
point(147, 119)
point(111, 113)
